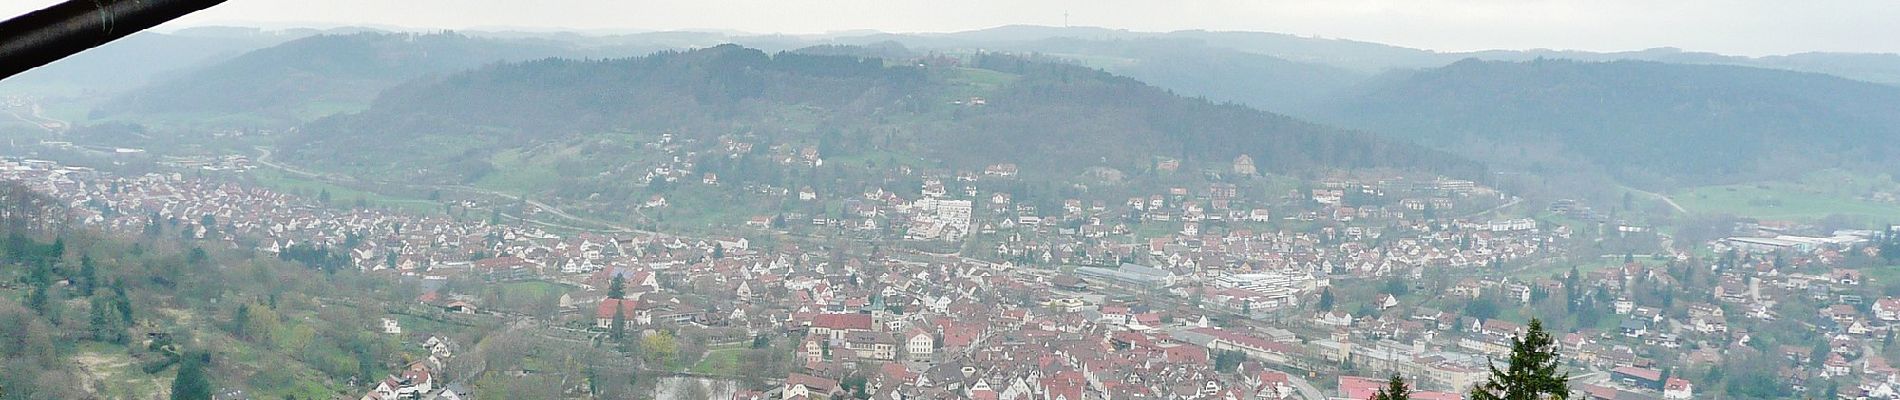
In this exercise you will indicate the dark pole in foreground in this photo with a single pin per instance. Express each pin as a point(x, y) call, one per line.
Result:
point(44, 36)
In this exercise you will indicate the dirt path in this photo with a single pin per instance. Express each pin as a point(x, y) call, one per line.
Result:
point(1513, 202)
point(1665, 199)
point(37, 116)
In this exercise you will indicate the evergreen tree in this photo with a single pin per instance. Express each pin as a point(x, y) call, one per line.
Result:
point(1889, 248)
point(106, 325)
point(1394, 390)
point(240, 320)
point(88, 275)
point(1228, 360)
point(1531, 373)
point(191, 383)
point(619, 329)
point(37, 300)
point(210, 223)
point(617, 288)
point(123, 302)
point(1325, 300)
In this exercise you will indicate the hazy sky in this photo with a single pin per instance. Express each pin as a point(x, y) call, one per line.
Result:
point(1749, 27)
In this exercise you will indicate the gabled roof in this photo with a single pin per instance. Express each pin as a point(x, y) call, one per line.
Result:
point(607, 306)
point(843, 321)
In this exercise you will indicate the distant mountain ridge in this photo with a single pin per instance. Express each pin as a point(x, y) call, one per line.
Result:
point(1646, 122)
point(1636, 119)
point(316, 75)
point(1371, 57)
point(1054, 119)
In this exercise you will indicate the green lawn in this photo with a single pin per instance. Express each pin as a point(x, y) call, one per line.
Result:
point(534, 289)
point(699, 208)
point(1583, 266)
point(1881, 277)
point(339, 195)
point(1155, 229)
point(517, 172)
point(721, 361)
point(320, 108)
point(1779, 200)
point(969, 82)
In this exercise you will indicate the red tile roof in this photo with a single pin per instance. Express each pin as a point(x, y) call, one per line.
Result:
point(607, 306)
point(843, 321)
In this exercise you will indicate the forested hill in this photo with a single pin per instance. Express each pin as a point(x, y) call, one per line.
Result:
point(313, 76)
point(1649, 123)
point(1054, 119)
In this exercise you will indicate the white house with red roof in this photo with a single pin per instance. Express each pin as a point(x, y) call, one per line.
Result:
point(1678, 389)
point(809, 387)
point(836, 325)
point(1887, 309)
point(630, 313)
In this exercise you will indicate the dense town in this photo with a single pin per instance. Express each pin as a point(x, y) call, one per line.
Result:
point(1227, 302)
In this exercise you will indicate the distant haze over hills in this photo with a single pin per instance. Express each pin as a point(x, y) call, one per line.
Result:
point(1643, 117)
point(1056, 121)
point(1648, 123)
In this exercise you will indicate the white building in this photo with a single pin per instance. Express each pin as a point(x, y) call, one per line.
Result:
point(920, 345)
point(391, 326)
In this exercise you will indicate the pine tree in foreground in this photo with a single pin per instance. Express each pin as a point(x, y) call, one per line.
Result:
point(1394, 390)
point(1532, 373)
point(191, 382)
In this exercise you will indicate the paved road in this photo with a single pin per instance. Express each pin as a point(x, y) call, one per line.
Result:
point(1665, 199)
point(37, 117)
point(1508, 204)
point(1307, 391)
point(550, 209)
point(263, 157)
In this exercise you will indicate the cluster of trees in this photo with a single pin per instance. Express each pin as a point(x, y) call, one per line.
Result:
point(128, 298)
point(1062, 117)
point(1056, 121)
point(1531, 373)
point(50, 315)
point(24, 211)
point(1890, 245)
point(313, 256)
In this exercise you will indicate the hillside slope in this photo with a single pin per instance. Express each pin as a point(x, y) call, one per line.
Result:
point(1648, 123)
point(313, 76)
point(140, 58)
point(1055, 120)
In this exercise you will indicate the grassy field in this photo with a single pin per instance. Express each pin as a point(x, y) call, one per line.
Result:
point(692, 207)
point(723, 360)
point(1583, 266)
point(298, 185)
point(517, 172)
point(1780, 200)
point(114, 374)
point(1152, 229)
point(322, 108)
point(534, 289)
point(977, 82)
